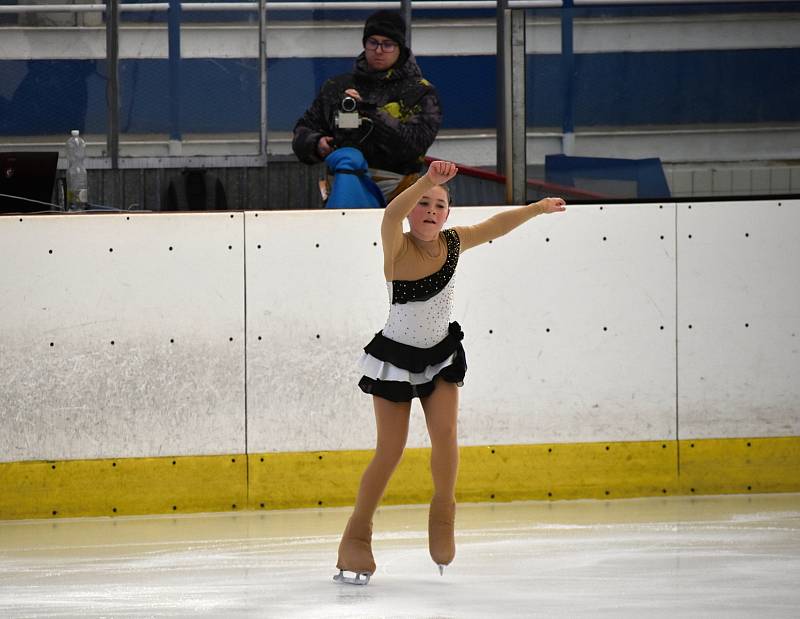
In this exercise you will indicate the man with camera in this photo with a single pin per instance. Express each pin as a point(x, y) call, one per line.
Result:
point(384, 108)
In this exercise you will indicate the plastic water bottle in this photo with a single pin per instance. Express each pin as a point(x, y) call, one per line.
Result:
point(77, 187)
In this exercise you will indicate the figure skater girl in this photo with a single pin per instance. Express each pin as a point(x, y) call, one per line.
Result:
point(418, 354)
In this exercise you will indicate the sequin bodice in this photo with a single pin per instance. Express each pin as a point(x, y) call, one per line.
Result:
point(420, 310)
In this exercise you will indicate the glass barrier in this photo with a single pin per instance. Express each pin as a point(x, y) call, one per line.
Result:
point(53, 77)
point(619, 100)
point(189, 81)
point(304, 50)
point(653, 102)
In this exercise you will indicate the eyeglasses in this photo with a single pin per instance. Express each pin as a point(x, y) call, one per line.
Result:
point(386, 45)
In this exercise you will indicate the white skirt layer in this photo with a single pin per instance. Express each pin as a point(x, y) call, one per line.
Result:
point(382, 370)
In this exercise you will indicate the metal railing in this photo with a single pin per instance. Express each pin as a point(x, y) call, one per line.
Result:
point(420, 5)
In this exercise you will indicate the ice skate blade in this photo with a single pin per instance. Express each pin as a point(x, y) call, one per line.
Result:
point(360, 578)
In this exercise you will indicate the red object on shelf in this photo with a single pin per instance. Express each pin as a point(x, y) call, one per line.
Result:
point(543, 186)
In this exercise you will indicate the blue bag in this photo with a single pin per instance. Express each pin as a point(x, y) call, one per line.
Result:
point(352, 186)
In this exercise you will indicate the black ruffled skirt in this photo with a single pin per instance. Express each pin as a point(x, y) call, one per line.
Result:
point(400, 373)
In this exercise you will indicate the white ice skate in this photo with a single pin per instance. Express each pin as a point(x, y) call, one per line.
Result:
point(360, 578)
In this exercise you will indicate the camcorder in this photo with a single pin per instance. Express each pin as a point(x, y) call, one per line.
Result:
point(347, 116)
point(351, 127)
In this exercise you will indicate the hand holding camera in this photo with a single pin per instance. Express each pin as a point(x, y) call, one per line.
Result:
point(349, 122)
point(347, 116)
point(353, 93)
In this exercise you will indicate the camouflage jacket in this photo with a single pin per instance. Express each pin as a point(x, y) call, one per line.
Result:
point(402, 105)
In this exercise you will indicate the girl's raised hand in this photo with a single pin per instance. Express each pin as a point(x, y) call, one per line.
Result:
point(552, 205)
point(441, 171)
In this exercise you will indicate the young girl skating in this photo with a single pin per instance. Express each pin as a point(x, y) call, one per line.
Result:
point(418, 354)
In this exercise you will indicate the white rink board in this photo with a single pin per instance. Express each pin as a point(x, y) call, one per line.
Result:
point(172, 382)
point(739, 319)
point(570, 337)
point(315, 296)
point(524, 385)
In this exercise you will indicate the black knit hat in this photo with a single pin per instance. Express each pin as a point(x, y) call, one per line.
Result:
point(388, 24)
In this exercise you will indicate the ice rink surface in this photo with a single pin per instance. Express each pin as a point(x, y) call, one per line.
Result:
point(725, 556)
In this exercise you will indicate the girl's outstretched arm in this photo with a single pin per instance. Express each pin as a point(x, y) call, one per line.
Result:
point(439, 172)
point(505, 221)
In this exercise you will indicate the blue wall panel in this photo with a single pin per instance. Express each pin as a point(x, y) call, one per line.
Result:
point(733, 86)
point(217, 96)
point(50, 96)
point(221, 95)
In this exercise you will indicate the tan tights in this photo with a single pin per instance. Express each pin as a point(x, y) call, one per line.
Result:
point(441, 417)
